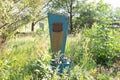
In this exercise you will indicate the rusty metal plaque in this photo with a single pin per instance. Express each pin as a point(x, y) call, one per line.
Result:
point(57, 27)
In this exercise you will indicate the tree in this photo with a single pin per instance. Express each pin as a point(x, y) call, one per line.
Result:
point(16, 13)
point(91, 12)
point(87, 14)
point(104, 12)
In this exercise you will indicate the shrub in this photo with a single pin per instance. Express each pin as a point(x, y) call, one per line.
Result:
point(103, 44)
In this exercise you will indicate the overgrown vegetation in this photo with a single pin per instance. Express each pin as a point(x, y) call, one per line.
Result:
point(93, 47)
point(29, 58)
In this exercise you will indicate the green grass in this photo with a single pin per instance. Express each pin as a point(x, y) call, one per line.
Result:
point(22, 52)
point(29, 57)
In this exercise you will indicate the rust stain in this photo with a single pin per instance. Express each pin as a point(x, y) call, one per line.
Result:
point(57, 27)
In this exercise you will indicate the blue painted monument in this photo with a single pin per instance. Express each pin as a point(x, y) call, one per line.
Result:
point(58, 29)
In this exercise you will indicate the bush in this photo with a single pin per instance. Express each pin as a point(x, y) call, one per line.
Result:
point(104, 44)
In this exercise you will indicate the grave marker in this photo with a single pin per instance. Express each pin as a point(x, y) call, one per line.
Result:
point(58, 28)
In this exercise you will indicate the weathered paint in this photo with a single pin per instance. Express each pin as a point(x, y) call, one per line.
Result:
point(58, 28)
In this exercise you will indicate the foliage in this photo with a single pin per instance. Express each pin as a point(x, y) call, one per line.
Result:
point(91, 12)
point(77, 51)
point(27, 58)
point(116, 14)
point(39, 31)
point(94, 53)
point(15, 14)
point(104, 45)
point(38, 70)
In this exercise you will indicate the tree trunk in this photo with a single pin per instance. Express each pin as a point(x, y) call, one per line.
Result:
point(2, 42)
point(71, 26)
point(32, 27)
